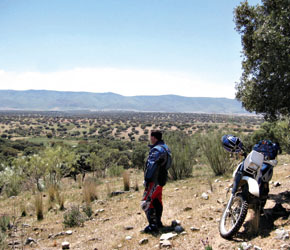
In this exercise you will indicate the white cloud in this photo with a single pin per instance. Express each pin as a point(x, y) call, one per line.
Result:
point(122, 81)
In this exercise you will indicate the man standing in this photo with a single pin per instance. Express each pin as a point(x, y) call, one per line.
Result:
point(155, 178)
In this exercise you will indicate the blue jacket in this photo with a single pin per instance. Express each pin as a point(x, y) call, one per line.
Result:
point(157, 157)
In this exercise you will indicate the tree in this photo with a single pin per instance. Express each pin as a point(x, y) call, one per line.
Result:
point(139, 156)
point(265, 31)
point(95, 162)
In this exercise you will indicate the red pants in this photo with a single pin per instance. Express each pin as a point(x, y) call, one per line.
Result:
point(153, 192)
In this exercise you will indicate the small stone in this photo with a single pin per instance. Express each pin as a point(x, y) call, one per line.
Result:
point(246, 246)
point(204, 196)
point(194, 229)
point(128, 238)
point(143, 241)
point(167, 236)
point(187, 209)
point(195, 195)
point(189, 217)
point(29, 240)
point(257, 248)
point(282, 234)
point(65, 245)
point(120, 246)
point(176, 189)
point(285, 247)
point(165, 244)
point(178, 229)
point(128, 228)
point(220, 201)
point(277, 184)
point(216, 180)
point(183, 233)
point(69, 232)
point(25, 225)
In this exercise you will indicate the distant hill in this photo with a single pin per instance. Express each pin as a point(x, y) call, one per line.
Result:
point(44, 100)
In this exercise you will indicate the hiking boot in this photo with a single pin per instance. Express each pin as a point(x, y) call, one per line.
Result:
point(151, 229)
point(160, 224)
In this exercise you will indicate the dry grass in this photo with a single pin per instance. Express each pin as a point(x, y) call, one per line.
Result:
point(39, 206)
point(60, 200)
point(136, 187)
point(106, 230)
point(52, 190)
point(126, 180)
point(90, 190)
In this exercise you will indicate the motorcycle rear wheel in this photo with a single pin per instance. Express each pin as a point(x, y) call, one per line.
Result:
point(233, 216)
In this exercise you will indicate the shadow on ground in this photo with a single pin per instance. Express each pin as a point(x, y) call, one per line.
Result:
point(268, 218)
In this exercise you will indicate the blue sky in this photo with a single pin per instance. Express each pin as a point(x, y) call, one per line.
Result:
point(129, 47)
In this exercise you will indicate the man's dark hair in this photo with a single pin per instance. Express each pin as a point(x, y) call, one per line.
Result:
point(157, 134)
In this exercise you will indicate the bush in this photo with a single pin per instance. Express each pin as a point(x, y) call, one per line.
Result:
point(3, 243)
point(4, 222)
point(116, 171)
point(183, 153)
point(217, 157)
point(87, 209)
point(73, 217)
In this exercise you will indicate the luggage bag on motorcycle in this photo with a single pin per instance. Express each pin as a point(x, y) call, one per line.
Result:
point(267, 148)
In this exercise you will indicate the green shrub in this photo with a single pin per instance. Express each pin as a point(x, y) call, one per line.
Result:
point(217, 157)
point(4, 222)
point(3, 243)
point(73, 217)
point(116, 171)
point(183, 154)
point(87, 209)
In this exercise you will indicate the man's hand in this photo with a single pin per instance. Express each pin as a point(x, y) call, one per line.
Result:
point(145, 205)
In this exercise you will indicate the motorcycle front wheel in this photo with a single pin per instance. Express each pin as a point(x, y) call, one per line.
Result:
point(233, 216)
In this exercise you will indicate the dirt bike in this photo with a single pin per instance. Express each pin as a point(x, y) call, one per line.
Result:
point(250, 189)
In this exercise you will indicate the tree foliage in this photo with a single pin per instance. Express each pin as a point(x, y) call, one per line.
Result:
point(265, 31)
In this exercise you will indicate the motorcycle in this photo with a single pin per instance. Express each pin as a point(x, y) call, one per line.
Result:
point(250, 189)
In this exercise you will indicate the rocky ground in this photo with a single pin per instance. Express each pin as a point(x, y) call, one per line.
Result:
point(196, 204)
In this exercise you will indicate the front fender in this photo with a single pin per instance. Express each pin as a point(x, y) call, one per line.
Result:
point(253, 185)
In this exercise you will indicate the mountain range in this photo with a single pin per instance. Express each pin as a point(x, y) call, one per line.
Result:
point(46, 100)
